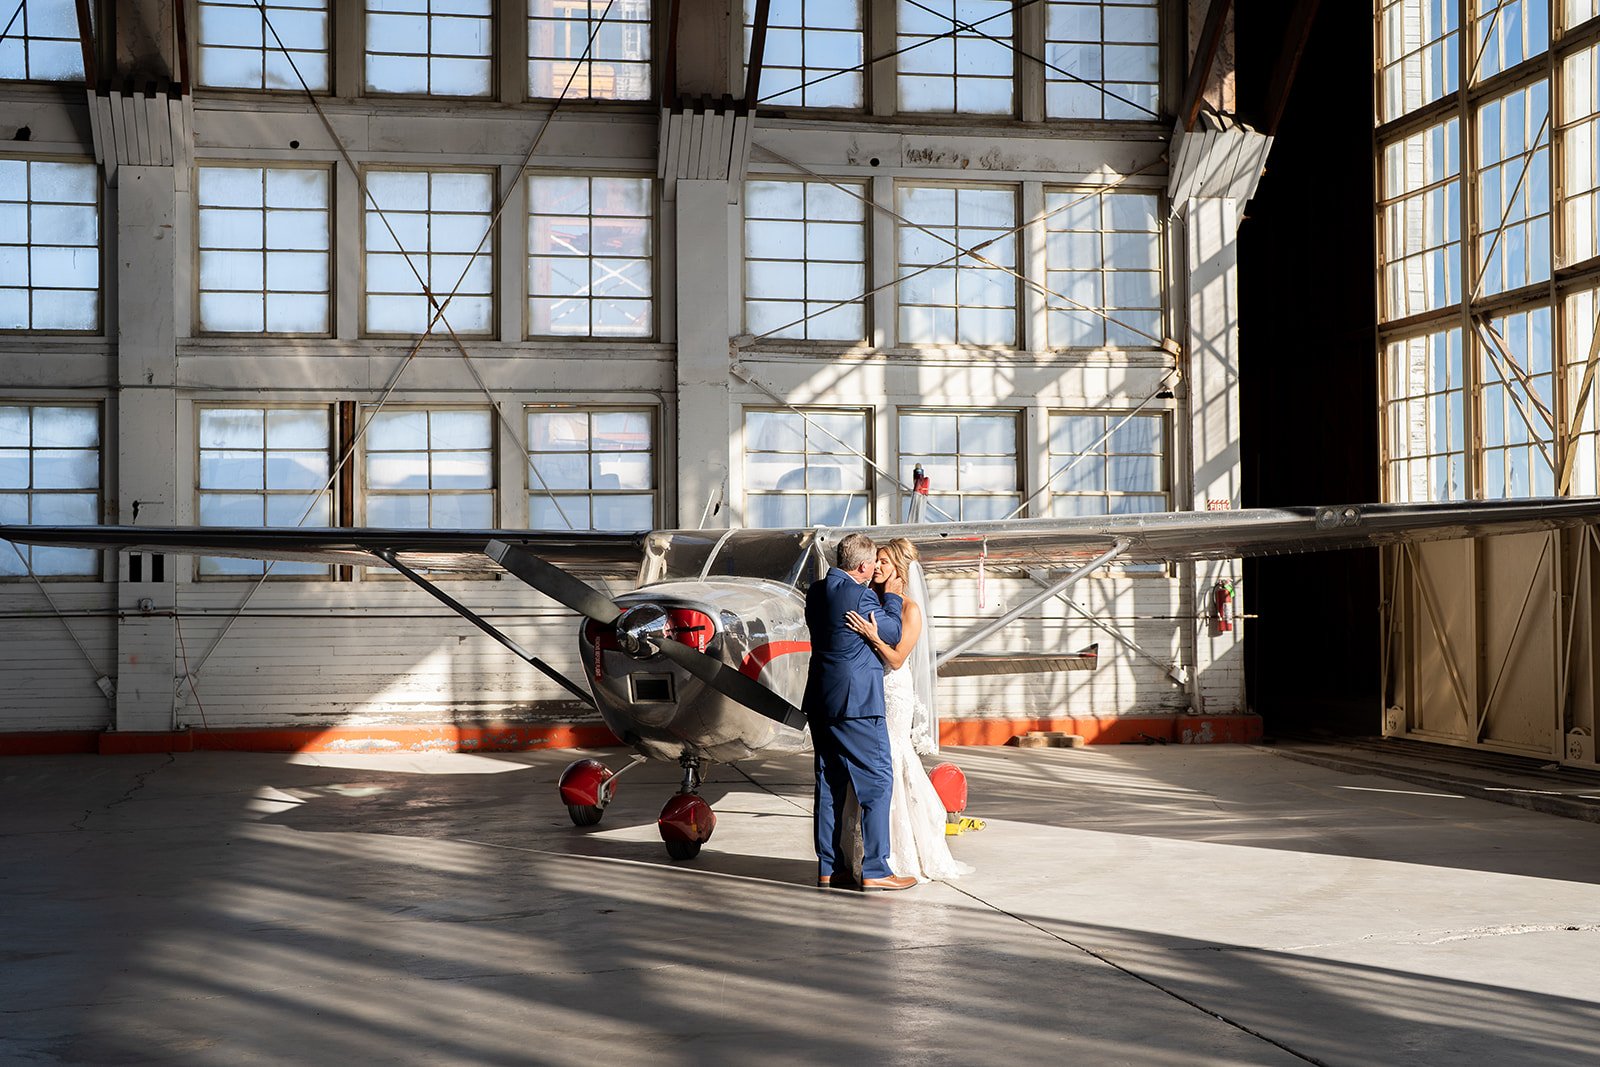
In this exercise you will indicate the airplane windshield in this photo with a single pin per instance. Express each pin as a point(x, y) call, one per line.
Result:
point(776, 555)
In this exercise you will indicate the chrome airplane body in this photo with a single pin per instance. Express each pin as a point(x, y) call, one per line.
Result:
point(705, 659)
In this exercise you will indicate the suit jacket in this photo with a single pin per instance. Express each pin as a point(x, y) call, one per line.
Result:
point(846, 675)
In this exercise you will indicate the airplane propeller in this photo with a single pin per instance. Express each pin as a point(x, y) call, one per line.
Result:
point(648, 636)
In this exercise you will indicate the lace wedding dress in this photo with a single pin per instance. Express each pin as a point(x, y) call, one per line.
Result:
point(917, 844)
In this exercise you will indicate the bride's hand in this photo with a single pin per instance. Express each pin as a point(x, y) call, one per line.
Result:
point(866, 627)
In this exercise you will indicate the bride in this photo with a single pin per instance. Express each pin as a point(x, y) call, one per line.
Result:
point(916, 814)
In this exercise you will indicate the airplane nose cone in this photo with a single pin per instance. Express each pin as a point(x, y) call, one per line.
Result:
point(641, 629)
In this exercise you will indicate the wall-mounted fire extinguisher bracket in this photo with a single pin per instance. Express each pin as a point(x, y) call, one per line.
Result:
point(1222, 607)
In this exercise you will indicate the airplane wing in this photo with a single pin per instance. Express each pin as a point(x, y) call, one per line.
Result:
point(1157, 537)
point(589, 553)
point(1199, 535)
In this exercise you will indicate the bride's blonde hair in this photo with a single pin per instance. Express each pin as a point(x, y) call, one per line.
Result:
point(902, 553)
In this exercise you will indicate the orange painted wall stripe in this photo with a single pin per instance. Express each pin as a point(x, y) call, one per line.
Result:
point(488, 737)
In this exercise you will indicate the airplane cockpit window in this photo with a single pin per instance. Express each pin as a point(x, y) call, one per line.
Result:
point(776, 555)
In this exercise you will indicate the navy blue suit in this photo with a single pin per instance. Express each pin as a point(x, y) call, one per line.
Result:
point(844, 704)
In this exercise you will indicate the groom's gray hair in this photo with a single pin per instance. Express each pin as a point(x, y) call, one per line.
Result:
point(854, 550)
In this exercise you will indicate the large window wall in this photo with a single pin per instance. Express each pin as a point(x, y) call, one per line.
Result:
point(1066, 60)
point(1489, 244)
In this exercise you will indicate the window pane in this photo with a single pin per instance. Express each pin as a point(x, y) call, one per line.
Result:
point(966, 457)
point(1102, 59)
point(431, 226)
point(813, 54)
point(590, 243)
point(946, 297)
point(238, 51)
point(1420, 221)
point(49, 246)
point(435, 49)
point(963, 73)
point(263, 467)
point(40, 42)
point(1513, 210)
point(1418, 54)
point(581, 462)
point(573, 55)
point(264, 269)
point(798, 467)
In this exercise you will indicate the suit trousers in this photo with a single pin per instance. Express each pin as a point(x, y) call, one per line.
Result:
point(853, 752)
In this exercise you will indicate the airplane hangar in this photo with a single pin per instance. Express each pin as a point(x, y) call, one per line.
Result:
point(588, 266)
point(1105, 352)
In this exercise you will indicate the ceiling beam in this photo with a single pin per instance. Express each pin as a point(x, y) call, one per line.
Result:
point(1295, 36)
point(1205, 54)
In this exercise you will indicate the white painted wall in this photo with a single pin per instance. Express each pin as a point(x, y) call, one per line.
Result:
point(317, 652)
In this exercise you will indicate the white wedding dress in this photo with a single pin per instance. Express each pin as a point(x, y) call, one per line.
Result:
point(917, 845)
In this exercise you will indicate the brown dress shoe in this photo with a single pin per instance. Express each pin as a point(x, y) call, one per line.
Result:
point(893, 882)
point(836, 881)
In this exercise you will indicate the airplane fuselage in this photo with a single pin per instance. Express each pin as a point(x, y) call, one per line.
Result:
point(755, 626)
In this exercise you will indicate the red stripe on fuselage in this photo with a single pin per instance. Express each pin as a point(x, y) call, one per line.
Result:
point(762, 655)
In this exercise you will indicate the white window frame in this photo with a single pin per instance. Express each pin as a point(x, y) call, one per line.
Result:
point(266, 253)
point(806, 308)
point(868, 492)
point(814, 39)
point(268, 51)
point(1103, 452)
point(940, 497)
point(1106, 268)
point(427, 54)
point(280, 570)
point(93, 559)
point(28, 246)
point(582, 84)
point(1115, 100)
point(22, 32)
point(373, 228)
point(963, 267)
point(651, 258)
point(916, 49)
point(653, 451)
point(367, 493)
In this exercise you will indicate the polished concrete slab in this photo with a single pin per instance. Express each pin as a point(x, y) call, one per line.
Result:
point(1130, 905)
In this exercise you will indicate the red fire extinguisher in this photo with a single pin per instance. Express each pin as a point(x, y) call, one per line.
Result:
point(1222, 593)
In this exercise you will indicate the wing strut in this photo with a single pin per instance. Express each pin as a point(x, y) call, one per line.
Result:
point(388, 556)
point(1055, 587)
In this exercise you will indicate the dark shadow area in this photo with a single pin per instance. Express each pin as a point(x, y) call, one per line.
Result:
point(1308, 369)
point(231, 908)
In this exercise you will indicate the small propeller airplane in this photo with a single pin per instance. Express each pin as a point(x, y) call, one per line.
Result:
point(705, 660)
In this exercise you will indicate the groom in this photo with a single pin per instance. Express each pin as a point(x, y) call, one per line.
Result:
point(844, 704)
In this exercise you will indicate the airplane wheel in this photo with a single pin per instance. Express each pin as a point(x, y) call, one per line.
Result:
point(683, 850)
point(585, 814)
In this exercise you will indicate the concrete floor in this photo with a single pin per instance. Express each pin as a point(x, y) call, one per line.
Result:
point(1130, 906)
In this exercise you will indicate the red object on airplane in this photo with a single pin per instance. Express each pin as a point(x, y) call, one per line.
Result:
point(951, 785)
point(581, 782)
point(686, 818)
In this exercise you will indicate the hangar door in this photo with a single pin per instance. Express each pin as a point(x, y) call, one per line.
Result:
point(1490, 643)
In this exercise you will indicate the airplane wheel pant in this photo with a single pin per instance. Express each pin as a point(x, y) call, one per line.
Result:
point(581, 781)
point(853, 752)
point(686, 818)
